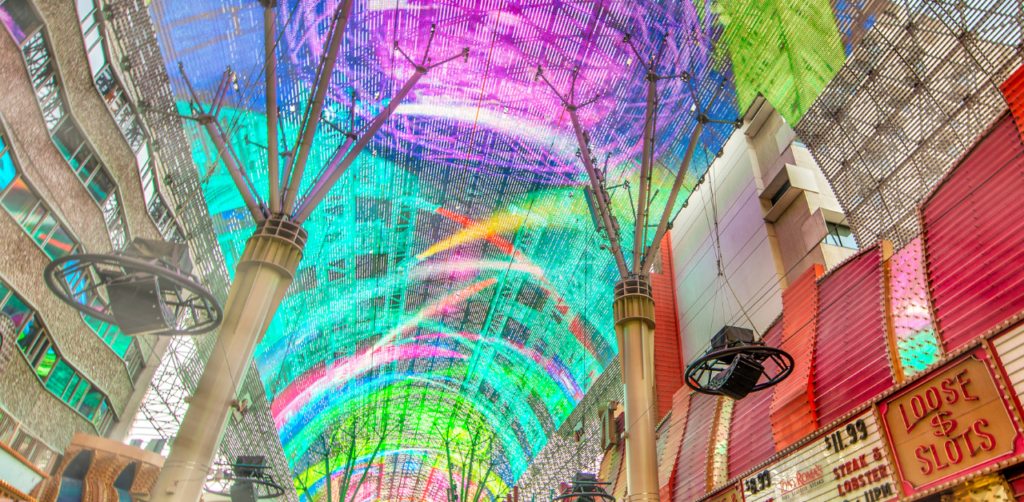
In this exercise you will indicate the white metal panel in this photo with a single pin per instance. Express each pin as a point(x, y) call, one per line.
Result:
point(858, 470)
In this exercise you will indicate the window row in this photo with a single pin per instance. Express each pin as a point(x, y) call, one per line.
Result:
point(26, 28)
point(21, 440)
point(59, 377)
point(128, 120)
point(36, 218)
point(29, 210)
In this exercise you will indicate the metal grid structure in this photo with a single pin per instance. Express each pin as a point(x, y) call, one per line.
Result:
point(132, 40)
point(908, 104)
point(452, 281)
point(569, 452)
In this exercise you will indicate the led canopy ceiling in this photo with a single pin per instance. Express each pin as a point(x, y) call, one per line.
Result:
point(453, 303)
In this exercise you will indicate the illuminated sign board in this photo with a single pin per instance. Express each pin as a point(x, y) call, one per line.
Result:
point(847, 464)
point(952, 423)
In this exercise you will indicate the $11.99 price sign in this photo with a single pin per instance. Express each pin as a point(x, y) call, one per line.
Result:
point(848, 464)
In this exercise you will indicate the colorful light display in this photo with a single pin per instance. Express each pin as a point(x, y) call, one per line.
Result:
point(452, 282)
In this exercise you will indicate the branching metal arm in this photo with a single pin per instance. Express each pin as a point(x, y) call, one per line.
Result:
point(684, 167)
point(309, 128)
point(341, 160)
point(595, 182)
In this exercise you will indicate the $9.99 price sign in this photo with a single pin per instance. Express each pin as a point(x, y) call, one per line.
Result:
point(847, 464)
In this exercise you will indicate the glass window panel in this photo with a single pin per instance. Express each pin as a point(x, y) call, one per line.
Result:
point(7, 170)
point(105, 80)
point(20, 200)
point(3, 142)
point(20, 19)
point(33, 218)
point(120, 343)
point(68, 139)
point(59, 372)
point(101, 414)
point(84, 163)
point(83, 386)
point(85, 7)
point(45, 457)
point(42, 232)
point(142, 156)
point(92, 402)
point(60, 244)
point(27, 339)
point(91, 30)
point(17, 310)
point(97, 58)
point(101, 186)
point(75, 380)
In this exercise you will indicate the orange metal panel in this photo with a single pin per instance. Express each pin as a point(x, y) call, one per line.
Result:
point(1013, 89)
point(668, 368)
point(792, 410)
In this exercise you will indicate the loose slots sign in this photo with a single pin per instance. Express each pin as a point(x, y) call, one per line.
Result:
point(950, 424)
point(847, 464)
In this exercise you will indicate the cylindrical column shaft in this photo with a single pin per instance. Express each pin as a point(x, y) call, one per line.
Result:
point(634, 327)
point(263, 275)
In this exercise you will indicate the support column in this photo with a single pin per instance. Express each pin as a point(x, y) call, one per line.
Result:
point(263, 274)
point(634, 327)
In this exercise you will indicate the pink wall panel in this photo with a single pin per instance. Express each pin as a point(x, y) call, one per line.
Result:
point(851, 363)
point(750, 438)
point(973, 233)
point(692, 465)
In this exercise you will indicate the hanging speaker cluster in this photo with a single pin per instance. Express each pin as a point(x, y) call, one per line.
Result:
point(738, 364)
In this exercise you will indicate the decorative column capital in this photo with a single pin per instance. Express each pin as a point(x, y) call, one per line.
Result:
point(634, 300)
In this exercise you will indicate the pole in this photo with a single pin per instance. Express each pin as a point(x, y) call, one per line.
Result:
point(640, 227)
point(263, 274)
point(273, 158)
point(634, 327)
point(330, 177)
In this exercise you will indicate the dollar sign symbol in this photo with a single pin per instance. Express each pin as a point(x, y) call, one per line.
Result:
point(945, 426)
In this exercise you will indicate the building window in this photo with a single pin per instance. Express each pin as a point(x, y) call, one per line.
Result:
point(26, 29)
point(840, 235)
point(25, 443)
point(59, 377)
point(125, 115)
point(28, 209)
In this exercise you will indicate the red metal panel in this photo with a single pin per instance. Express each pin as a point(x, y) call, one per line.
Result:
point(973, 240)
point(1013, 89)
point(692, 465)
point(851, 361)
point(750, 439)
point(792, 409)
point(677, 426)
point(668, 369)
